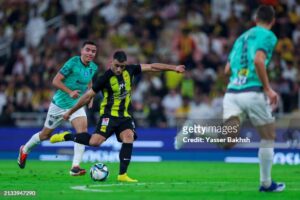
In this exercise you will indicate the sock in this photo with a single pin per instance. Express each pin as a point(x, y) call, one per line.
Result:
point(78, 153)
point(69, 137)
point(34, 140)
point(82, 138)
point(125, 156)
point(265, 155)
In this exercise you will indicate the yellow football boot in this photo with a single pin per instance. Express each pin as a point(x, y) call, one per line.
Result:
point(126, 178)
point(59, 137)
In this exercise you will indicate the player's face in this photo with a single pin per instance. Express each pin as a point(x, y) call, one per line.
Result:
point(118, 67)
point(88, 53)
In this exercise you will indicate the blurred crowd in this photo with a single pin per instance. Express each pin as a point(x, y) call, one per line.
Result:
point(38, 36)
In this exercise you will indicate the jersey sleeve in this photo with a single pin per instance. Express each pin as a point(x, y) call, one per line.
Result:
point(66, 70)
point(266, 44)
point(134, 69)
point(100, 83)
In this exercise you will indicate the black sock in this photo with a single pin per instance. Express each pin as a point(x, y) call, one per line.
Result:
point(69, 137)
point(125, 156)
point(82, 138)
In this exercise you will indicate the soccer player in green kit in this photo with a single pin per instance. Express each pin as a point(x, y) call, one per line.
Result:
point(115, 84)
point(73, 79)
point(249, 92)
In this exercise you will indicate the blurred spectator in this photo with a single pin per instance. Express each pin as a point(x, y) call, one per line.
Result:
point(172, 79)
point(3, 100)
point(186, 47)
point(156, 117)
point(171, 102)
point(35, 29)
point(188, 85)
point(6, 118)
point(36, 37)
point(201, 108)
point(183, 111)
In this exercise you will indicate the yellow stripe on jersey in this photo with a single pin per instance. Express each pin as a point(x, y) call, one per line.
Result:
point(127, 81)
point(115, 86)
point(104, 102)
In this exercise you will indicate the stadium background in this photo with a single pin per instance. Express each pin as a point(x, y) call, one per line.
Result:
point(37, 37)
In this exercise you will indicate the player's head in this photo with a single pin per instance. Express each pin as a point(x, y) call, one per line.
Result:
point(265, 15)
point(119, 62)
point(88, 51)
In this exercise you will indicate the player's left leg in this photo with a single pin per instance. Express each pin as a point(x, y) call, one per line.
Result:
point(260, 114)
point(80, 125)
point(127, 138)
point(265, 155)
point(233, 116)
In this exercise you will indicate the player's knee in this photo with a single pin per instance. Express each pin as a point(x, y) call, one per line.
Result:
point(127, 137)
point(232, 121)
point(44, 136)
point(269, 136)
point(96, 140)
point(267, 132)
point(227, 146)
point(94, 143)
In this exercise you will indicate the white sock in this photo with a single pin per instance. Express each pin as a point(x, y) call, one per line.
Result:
point(265, 155)
point(34, 140)
point(78, 153)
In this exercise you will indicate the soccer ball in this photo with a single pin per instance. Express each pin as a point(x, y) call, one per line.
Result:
point(99, 172)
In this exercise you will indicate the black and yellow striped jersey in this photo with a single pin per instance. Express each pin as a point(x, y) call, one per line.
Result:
point(116, 90)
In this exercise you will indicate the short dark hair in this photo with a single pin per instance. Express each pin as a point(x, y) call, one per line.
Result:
point(265, 14)
point(120, 56)
point(88, 42)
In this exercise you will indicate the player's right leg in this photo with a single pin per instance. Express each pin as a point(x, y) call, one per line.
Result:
point(79, 122)
point(36, 139)
point(53, 119)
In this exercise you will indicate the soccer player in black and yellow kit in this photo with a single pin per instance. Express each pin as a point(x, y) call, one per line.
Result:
point(115, 84)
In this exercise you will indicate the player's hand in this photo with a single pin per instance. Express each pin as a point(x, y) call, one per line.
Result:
point(91, 104)
point(66, 116)
point(74, 94)
point(273, 98)
point(180, 69)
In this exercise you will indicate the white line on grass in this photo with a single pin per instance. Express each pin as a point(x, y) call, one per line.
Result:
point(120, 187)
point(90, 187)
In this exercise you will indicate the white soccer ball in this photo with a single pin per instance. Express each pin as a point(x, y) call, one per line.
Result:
point(99, 172)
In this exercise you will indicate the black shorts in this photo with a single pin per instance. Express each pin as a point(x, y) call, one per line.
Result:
point(108, 125)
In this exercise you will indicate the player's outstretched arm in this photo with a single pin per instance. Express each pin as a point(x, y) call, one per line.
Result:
point(85, 99)
point(58, 83)
point(157, 67)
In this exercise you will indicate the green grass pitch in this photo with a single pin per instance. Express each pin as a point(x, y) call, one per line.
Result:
point(165, 180)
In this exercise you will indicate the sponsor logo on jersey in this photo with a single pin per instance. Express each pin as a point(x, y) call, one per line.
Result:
point(105, 122)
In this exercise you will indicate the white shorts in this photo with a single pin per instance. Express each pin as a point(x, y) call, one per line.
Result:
point(55, 113)
point(251, 104)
